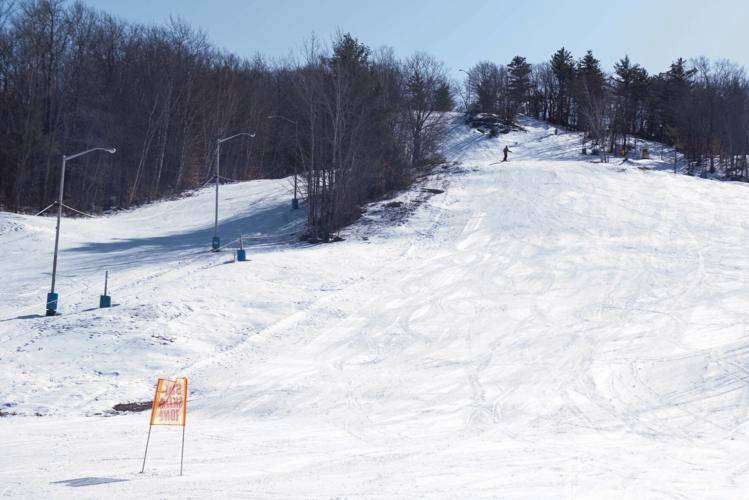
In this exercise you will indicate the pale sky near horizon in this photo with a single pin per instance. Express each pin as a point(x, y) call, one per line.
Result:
point(653, 33)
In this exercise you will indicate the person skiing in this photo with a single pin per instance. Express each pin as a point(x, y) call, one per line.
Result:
point(505, 151)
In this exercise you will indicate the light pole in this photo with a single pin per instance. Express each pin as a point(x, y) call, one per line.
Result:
point(216, 244)
point(52, 296)
point(467, 98)
point(295, 200)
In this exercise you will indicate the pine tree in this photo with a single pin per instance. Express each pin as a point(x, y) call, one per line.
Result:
point(444, 100)
point(591, 100)
point(677, 85)
point(350, 54)
point(518, 86)
point(590, 73)
point(631, 87)
point(563, 67)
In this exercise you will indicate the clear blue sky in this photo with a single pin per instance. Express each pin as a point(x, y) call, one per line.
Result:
point(652, 32)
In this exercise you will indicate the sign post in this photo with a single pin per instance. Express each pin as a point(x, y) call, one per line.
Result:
point(169, 408)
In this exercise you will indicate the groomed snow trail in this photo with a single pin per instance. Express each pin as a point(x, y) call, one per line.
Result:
point(545, 328)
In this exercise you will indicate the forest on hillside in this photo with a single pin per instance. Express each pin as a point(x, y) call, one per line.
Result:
point(352, 122)
point(701, 107)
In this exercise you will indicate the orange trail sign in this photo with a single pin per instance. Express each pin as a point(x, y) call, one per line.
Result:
point(169, 408)
point(170, 402)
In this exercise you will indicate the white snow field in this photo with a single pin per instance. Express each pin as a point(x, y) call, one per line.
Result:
point(544, 328)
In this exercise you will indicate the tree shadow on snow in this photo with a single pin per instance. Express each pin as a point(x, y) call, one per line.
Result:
point(263, 230)
point(25, 316)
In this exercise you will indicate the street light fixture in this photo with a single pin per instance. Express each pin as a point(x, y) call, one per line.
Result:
point(216, 244)
point(467, 97)
point(295, 200)
point(52, 296)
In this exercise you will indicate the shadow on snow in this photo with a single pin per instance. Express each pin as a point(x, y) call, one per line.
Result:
point(263, 230)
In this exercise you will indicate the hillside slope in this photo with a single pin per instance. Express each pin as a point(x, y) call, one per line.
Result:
point(545, 328)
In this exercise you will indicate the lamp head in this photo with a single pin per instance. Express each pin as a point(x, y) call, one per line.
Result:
point(111, 151)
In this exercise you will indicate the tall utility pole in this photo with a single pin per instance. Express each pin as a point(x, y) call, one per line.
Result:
point(216, 244)
point(52, 296)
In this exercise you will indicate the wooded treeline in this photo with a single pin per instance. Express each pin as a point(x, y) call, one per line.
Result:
point(701, 107)
point(351, 122)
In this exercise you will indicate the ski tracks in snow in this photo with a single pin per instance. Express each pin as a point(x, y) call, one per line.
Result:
point(547, 327)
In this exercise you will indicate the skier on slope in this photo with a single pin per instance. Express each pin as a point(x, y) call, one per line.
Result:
point(505, 151)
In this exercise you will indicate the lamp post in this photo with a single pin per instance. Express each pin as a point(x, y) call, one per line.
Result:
point(295, 200)
point(216, 244)
point(52, 296)
point(467, 98)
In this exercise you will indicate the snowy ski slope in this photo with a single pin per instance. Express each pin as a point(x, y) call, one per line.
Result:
point(544, 328)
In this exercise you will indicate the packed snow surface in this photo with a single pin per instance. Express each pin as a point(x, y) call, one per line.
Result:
point(549, 327)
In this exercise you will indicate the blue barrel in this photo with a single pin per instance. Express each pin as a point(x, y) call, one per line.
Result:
point(216, 243)
point(294, 204)
point(105, 301)
point(52, 303)
point(241, 255)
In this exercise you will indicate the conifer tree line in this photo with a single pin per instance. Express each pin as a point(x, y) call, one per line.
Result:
point(353, 123)
point(700, 107)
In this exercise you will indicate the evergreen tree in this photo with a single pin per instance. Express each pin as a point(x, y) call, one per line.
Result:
point(677, 84)
point(349, 54)
point(563, 67)
point(518, 85)
point(631, 86)
point(590, 74)
point(590, 97)
point(444, 100)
